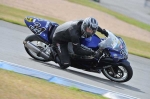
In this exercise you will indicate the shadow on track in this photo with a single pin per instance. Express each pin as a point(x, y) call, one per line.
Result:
point(93, 78)
point(105, 81)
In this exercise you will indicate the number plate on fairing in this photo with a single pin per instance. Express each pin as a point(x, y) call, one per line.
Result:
point(40, 27)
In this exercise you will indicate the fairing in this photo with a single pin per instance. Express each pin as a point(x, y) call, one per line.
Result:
point(91, 42)
point(40, 27)
point(116, 46)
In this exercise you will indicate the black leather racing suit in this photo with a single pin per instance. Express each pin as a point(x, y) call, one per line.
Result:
point(70, 32)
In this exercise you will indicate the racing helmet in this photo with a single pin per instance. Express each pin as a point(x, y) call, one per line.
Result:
point(89, 27)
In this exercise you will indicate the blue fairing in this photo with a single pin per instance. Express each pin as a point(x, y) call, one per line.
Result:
point(91, 42)
point(40, 27)
point(119, 51)
point(114, 53)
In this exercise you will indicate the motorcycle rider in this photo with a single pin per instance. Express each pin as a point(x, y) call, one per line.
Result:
point(72, 31)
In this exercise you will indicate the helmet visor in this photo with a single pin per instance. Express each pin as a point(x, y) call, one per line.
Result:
point(90, 32)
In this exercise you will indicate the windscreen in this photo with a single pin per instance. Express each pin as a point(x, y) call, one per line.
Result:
point(111, 42)
point(116, 43)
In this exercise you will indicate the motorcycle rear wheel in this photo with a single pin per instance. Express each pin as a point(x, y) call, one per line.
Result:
point(37, 42)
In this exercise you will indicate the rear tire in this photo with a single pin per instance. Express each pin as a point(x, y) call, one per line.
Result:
point(32, 38)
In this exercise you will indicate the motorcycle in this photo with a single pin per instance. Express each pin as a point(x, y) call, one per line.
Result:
point(112, 63)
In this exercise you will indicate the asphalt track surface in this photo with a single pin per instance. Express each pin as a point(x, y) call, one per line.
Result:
point(133, 8)
point(12, 50)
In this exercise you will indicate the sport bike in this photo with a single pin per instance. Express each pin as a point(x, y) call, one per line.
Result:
point(112, 63)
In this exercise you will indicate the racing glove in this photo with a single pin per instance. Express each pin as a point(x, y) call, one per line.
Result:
point(104, 32)
point(97, 53)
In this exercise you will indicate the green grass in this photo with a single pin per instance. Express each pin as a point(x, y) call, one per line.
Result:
point(74, 88)
point(124, 18)
point(19, 86)
point(17, 16)
point(134, 46)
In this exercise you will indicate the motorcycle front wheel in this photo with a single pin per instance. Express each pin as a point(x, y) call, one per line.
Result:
point(122, 73)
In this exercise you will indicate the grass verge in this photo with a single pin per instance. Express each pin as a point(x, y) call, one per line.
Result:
point(124, 18)
point(17, 16)
point(18, 86)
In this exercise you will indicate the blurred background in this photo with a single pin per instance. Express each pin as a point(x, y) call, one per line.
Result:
point(138, 9)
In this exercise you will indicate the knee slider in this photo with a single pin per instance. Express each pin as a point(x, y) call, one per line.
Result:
point(66, 64)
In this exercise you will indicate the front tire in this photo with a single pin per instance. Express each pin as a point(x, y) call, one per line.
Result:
point(123, 73)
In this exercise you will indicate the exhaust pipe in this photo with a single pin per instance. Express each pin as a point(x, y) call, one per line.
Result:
point(35, 49)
